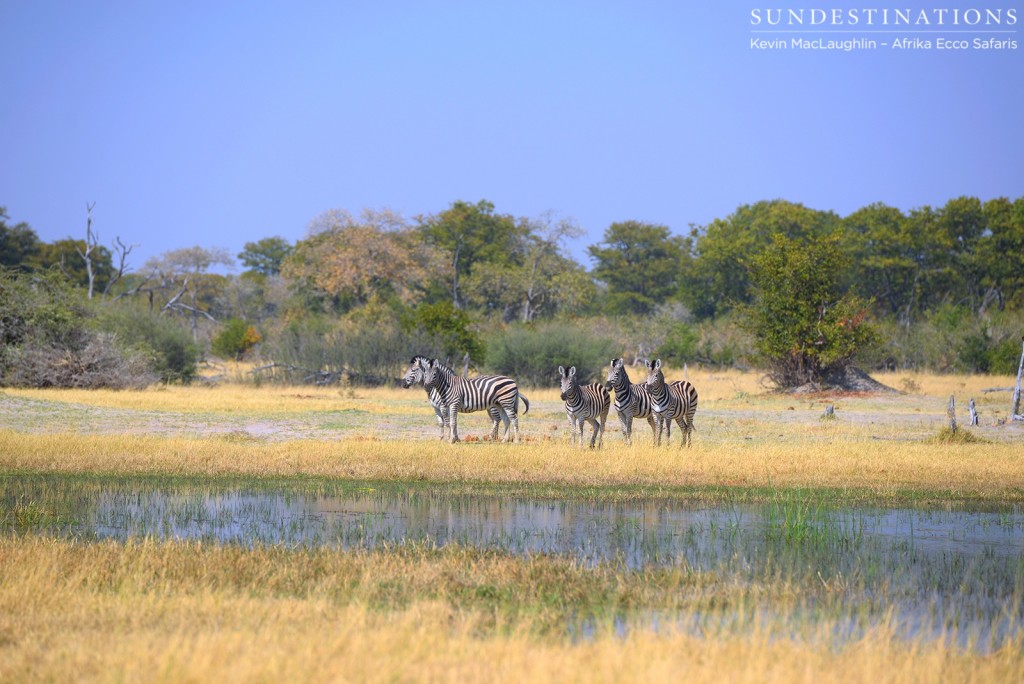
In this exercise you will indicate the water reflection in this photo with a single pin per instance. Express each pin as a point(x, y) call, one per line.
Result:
point(935, 567)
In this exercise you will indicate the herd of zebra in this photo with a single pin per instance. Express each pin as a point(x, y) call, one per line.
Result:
point(657, 401)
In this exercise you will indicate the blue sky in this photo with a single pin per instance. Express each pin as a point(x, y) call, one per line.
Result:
point(217, 123)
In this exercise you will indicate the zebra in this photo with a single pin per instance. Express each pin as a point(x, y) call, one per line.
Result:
point(631, 401)
point(673, 401)
point(584, 404)
point(466, 395)
point(414, 376)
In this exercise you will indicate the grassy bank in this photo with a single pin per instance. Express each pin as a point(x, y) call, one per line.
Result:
point(884, 471)
point(882, 447)
point(187, 612)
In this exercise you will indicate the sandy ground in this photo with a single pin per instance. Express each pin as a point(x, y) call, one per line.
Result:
point(884, 416)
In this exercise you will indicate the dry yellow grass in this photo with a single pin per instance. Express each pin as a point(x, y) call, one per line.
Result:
point(978, 471)
point(745, 437)
point(182, 612)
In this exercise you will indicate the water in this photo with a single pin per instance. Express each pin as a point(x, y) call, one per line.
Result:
point(937, 568)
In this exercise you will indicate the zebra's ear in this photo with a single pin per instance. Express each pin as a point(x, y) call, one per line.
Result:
point(647, 362)
point(572, 371)
point(657, 364)
point(561, 371)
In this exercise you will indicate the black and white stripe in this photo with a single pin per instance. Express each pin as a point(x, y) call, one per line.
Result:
point(415, 375)
point(584, 404)
point(631, 401)
point(482, 393)
point(675, 401)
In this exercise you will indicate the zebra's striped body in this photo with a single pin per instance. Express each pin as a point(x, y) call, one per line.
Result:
point(415, 375)
point(676, 401)
point(631, 401)
point(482, 393)
point(584, 404)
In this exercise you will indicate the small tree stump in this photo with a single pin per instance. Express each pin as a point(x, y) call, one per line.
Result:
point(974, 412)
point(951, 413)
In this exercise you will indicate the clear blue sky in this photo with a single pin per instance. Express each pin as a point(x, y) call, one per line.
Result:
point(216, 123)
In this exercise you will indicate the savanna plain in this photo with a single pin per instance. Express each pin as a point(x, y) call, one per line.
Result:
point(243, 533)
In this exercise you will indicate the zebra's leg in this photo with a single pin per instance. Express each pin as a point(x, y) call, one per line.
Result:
point(604, 421)
point(440, 420)
point(497, 416)
point(687, 428)
point(514, 436)
point(627, 427)
point(507, 423)
point(593, 436)
point(682, 431)
point(654, 421)
point(453, 422)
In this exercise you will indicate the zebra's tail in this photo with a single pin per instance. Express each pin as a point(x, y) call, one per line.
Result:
point(526, 403)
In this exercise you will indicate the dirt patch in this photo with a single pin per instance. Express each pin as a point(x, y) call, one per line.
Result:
point(849, 379)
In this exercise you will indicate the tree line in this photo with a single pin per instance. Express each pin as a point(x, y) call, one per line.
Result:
point(775, 284)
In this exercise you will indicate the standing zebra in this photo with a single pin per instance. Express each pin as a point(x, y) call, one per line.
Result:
point(631, 401)
point(586, 404)
point(676, 401)
point(415, 375)
point(466, 395)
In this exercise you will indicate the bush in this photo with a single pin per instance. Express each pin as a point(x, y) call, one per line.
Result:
point(101, 363)
point(532, 354)
point(365, 349)
point(235, 339)
point(47, 339)
point(804, 329)
point(173, 356)
point(446, 329)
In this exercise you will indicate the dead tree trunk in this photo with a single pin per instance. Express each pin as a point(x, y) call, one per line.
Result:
point(90, 244)
point(951, 413)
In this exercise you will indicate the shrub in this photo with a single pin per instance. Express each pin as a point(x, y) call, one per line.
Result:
point(532, 354)
point(235, 339)
point(48, 339)
point(173, 356)
point(804, 329)
point(101, 363)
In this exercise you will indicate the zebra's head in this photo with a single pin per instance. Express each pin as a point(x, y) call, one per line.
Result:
point(617, 374)
point(432, 373)
point(655, 378)
point(415, 373)
point(570, 384)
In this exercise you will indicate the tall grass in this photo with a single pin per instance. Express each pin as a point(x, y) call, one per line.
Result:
point(886, 471)
point(145, 611)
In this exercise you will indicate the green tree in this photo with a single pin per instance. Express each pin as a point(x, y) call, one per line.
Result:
point(640, 264)
point(19, 244)
point(66, 256)
point(470, 234)
point(1000, 254)
point(888, 254)
point(448, 330)
point(265, 256)
point(718, 276)
point(804, 329)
